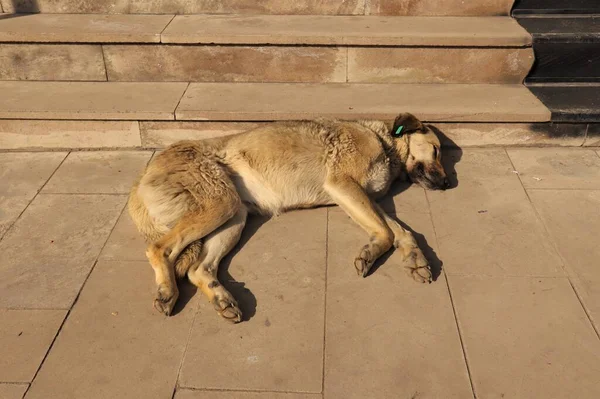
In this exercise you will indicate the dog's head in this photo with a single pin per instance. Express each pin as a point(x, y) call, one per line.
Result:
point(422, 152)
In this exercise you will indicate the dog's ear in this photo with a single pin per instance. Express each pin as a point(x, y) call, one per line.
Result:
point(405, 124)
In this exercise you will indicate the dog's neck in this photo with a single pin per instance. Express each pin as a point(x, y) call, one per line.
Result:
point(396, 148)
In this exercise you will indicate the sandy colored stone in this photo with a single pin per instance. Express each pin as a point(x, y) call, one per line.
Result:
point(573, 220)
point(557, 167)
point(593, 135)
point(162, 134)
point(351, 30)
point(430, 102)
point(511, 134)
point(83, 28)
point(187, 6)
point(526, 338)
point(438, 65)
point(280, 274)
point(51, 62)
point(387, 336)
point(191, 394)
point(25, 337)
point(125, 241)
point(13, 391)
point(114, 344)
point(439, 7)
point(36, 134)
point(90, 100)
point(47, 255)
point(98, 172)
point(225, 63)
point(487, 225)
point(22, 175)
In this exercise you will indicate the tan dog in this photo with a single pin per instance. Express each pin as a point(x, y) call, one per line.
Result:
point(192, 200)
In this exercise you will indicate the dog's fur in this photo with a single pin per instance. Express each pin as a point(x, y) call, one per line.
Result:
point(192, 200)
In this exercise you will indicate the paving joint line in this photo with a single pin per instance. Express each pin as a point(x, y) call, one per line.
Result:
point(325, 301)
point(187, 344)
point(104, 61)
point(33, 198)
point(75, 300)
point(565, 265)
point(454, 312)
point(247, 390)
point(160, 38)
point(178, 102)
point(585, 135)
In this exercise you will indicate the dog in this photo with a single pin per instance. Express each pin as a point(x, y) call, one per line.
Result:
point(192, 200)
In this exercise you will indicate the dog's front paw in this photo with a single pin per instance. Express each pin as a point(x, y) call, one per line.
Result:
point(227, 308)
point(364, 261)
point(165, 299)
point(417, 266)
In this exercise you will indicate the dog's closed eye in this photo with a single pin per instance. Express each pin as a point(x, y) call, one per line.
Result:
point(435, 152)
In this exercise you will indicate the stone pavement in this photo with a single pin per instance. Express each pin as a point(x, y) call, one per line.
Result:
point(515, 312)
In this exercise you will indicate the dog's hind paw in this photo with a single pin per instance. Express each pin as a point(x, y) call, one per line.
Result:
point(228, 309)
point(165, 300)
point(417, 267)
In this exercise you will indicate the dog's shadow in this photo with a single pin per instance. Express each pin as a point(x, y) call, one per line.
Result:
point(245, 298)
point(451, 155)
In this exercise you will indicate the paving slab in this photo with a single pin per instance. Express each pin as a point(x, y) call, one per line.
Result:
point(13, 391)
point(439, 7)
point(438, 65)
point(25, 337)
point(125, 241)
point(281, 286)
point(430, 102)
point(346, 30)
point(114, 343)
point(51, 62)
point(47, 255)
point(22, 176)
point(487, 225)
point(573, 168)
point(388, 336)
point(98, 172)
point(195, 394)
point(163, 134)
point(189, 6)
point(162, 63)
point(526, 338)
point(89, 100)
point(48, 134)
point(573, 220)
point(83, 28)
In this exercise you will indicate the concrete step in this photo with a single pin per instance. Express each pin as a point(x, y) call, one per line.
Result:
point(209, 48)
point(267, 101)
point(311, 7)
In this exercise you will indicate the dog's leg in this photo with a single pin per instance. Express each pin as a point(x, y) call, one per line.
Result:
point(351, 197)
point(417, 266)
point(204, 273)
point(163, 253)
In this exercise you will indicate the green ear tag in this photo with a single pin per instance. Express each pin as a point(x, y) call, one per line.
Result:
point(398, 132)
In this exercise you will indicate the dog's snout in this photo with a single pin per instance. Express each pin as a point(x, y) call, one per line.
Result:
point(446, 183)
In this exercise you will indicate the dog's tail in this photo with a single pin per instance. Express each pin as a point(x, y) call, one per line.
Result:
point(153, 232)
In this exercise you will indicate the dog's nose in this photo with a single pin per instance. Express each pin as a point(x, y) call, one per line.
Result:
point(446, 183)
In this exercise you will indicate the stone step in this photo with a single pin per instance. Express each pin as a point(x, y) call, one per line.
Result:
point(209, 48)
point(570, 102)
point(267, 101)
point(312, 7)
point(265, 29)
